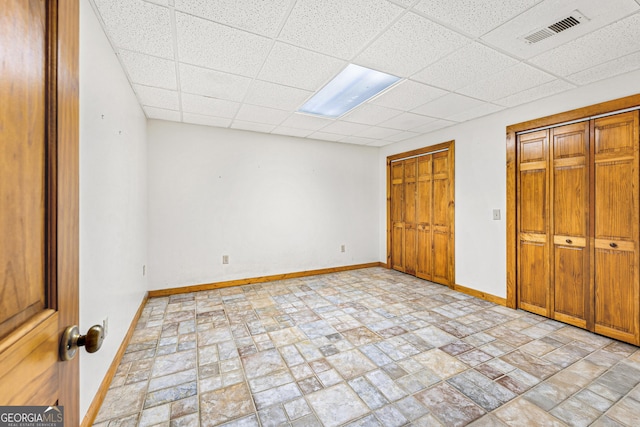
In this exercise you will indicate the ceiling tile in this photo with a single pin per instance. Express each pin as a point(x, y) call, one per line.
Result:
point(208, 106)
point(508, 82)
point(608, 43)
point(376, 132)
point(162, 114)
point(277, 96)
point(200, 119)
point(402, 136)
point(304, 121)
point(433, 126)
point(344, 128)
point(411, 44)
point(257, 114)
point(283, 130)
point(379, 143)
point(455, 71)
point(370, 114)
point(337, 27)
point(219, 47)
point(137, 25)
point(160, 2)
point(154, 97)
point(509, 37)
point(357, 140)
point(202, 81)
point(547, 89)
point(447, 105)
point(326, 136)
point(254, 127)
point(257, 16)
point(482, 110)
point(407, 95)
point(474, 17)
point(406, 121)
point(618, 66)
point(149, 70)
point(293, 66)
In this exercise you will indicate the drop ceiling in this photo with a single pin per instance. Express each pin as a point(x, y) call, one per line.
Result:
point(250, 64)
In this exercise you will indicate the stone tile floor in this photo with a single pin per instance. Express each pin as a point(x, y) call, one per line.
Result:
point(369, 347)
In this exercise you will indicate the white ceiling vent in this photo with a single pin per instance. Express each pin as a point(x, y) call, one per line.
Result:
point(575, 18)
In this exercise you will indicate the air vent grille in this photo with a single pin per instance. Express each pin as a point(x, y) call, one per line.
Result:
point(576, 18)
point(565, 24)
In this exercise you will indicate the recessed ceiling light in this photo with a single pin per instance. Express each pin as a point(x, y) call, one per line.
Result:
point(353, 86)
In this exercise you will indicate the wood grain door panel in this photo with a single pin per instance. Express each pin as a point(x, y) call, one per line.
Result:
point(572, 297)
point(39, 194)
point(616, 226)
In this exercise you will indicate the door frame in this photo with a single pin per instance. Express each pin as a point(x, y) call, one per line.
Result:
point(450, 146)
point(511, 170)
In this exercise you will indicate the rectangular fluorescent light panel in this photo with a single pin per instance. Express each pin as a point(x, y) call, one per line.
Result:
point(353, 86)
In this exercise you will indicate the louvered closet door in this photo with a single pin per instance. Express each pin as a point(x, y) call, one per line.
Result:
point(410, 243)
point(615, 260)
point(424, 200)
point(397, 216)
point(533, 223)
point(570, 196)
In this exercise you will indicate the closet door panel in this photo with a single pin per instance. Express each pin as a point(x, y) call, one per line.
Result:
point(440, 218)
point(397, 216)
point(570, 207)
point(424, 201)
point(617, 311)
point(410, 256)
point(533, 218)
point(532, 273)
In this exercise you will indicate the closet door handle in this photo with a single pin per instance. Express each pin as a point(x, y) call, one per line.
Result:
point(613, 245)
point(569, 241)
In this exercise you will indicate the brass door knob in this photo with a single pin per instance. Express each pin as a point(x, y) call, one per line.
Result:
point(71, 340)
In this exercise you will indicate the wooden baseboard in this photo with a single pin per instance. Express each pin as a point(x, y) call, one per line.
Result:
point(253, 280)
point(92, 412)
point(482, 295)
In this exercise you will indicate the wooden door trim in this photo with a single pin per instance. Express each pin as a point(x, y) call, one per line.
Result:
point(511, 170)
point(449, 145)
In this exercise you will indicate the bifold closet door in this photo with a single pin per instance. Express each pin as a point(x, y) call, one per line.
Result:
point(615, 258)
point(571, 296)
point(441, 222)
point(397, 216)
point(424, 199)
point(421, 223)
point(533, 258)
point(410, 242)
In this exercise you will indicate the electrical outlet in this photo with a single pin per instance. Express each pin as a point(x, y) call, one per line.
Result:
point(225, 259)
point(105, 326)
point(343, 248)
point(496, 214)
point(144, 270)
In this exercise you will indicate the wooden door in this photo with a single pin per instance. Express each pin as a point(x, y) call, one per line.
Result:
point(441, 219)
point(397, 216)
point(616, 223)
point(39, 201)
point(421, 213)
point(571, 299)
point(410, 237)
point(424, 201)
point(533, 223)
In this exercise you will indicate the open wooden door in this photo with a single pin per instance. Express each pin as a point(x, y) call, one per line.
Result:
point(38, 201)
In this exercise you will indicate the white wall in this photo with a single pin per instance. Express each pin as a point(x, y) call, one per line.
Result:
point(113, 240)
point(480, 179)
point(274, 204)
